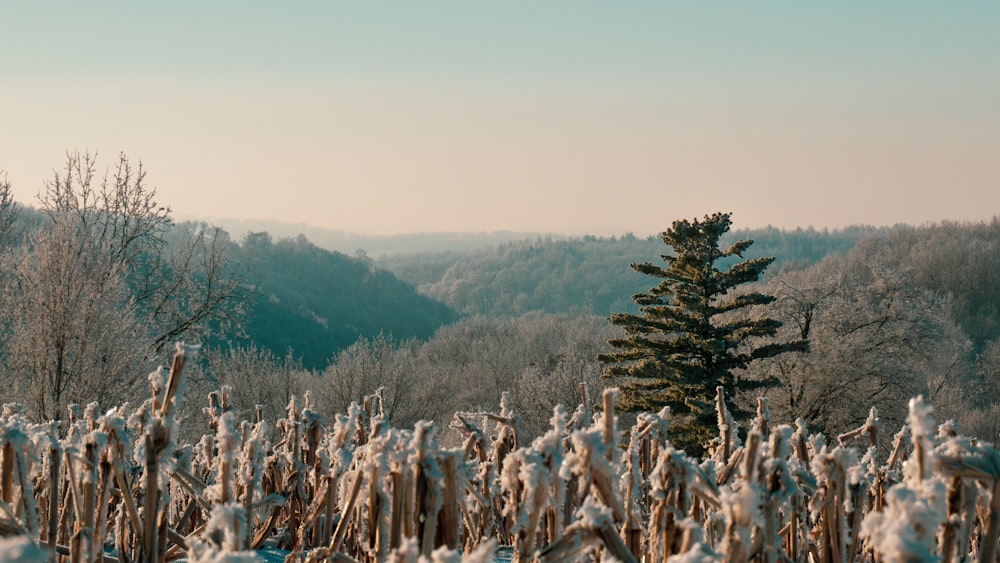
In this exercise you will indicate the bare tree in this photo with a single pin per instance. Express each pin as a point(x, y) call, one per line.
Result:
point(258, 378)
point(74, 335)
point(981, 415)
point(203, 291)
point(104, 284)
point(540, 388)
point(181, 278)
point(380, 362)
point(877, 340)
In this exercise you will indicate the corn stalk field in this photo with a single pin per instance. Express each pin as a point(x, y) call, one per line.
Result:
point(119, 486)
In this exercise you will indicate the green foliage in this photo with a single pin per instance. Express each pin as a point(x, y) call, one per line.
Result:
point(692, 333)
point(316, 302)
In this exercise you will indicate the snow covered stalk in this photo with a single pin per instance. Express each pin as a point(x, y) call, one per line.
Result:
point(398, 480)
point(70, 498)
point(151, 508)
point(251, 467)
point(763, 420)
point(750, 458)
point(226, 443)
point(428, 496)
point(7, 471)
point(609, 397)
point(450, 518)
point(833, 539)
point(314, 423)
point(157, 441)
point(329, 485)
point(131, 511)
point(103, 498)
point(82, 545)
point(345, 514)
point(637, 470)
point(740, 505)
point(376, 500)
point(585, 403)
point(487, 500)
point(898, 454)
point(988, 549)
point(294, 475)
point(507, 439)
point(772, 486)
point(16, 461)
point(870, 426)
point(669, 489)
point(174, 381)
point(953, 523)
point(52, 527)
point(725, 423)
point(632, 528)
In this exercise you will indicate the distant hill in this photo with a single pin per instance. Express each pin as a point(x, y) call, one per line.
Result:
point(588, 274)
point(374, 245)
point(317, 302)
point(312, 301)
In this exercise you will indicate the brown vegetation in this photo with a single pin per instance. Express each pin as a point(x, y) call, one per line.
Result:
point(359, 489)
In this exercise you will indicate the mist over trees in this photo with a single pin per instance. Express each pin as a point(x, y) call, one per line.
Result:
point(890, 312)
point(879, 333)
point(316, 302)
point(588, 275)
point(98, 280)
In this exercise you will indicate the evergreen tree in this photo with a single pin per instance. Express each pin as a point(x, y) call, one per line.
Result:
point(693, 332)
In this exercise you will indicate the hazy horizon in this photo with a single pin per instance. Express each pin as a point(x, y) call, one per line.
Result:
point(570, 117)
point(293, 225)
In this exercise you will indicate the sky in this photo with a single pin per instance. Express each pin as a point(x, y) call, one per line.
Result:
point(560, 116)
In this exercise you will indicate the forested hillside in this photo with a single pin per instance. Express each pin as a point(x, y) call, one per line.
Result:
point(295, 297)
point(581, 275)
point(889, 313)
point(315, 302)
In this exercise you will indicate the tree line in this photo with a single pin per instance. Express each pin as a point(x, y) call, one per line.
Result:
point(587, 275)
point(889, 313)
point(98, 279)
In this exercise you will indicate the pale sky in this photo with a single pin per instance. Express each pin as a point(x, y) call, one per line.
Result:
point(568, 116)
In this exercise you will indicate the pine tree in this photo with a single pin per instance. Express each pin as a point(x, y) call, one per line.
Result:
point(693, 332)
